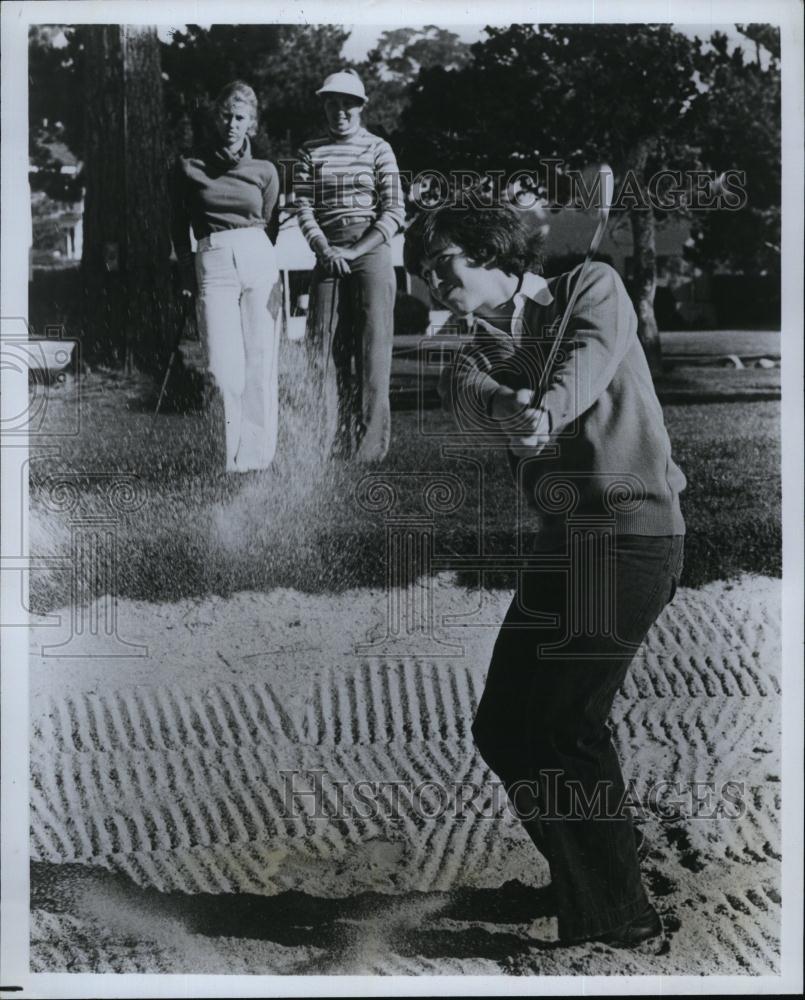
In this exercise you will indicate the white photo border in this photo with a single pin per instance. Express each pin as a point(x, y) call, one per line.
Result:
point(14, 918)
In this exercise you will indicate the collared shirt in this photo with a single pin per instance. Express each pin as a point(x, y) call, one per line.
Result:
point(532, 286)
point(599, 412)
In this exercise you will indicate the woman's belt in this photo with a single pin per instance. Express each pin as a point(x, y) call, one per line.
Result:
point(342, 222)
point(225, 237)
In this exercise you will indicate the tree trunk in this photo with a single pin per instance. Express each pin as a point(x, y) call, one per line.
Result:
point(644, 285)
point(130, 311)
point(644, 258)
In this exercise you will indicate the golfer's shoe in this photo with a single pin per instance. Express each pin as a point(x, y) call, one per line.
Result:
point(642, 928)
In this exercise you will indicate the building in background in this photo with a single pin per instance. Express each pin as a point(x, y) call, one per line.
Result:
point(57, 224)
point(683, 296)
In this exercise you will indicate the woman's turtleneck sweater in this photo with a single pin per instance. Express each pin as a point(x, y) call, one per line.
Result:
point(214, 189)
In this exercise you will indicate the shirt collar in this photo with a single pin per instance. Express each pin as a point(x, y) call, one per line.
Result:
point(532, 287)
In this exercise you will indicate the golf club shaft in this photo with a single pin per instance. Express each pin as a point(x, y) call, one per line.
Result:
point(164, 387)
point(592, 250)
point(546, 371)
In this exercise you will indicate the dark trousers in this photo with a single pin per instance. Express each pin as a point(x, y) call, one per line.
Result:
point(349, 343)
point(541, 725)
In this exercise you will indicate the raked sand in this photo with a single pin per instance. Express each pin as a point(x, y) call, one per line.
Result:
point(163, 839)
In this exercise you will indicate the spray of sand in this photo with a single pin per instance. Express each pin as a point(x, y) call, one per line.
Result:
point(282, 506)
point(283, 511)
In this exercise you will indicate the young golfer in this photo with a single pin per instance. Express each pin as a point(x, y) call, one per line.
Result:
point(590, 453)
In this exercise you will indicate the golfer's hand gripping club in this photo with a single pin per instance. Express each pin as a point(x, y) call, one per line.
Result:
point(519, 419)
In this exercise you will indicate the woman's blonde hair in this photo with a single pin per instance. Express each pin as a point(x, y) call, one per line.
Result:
point(241, 93)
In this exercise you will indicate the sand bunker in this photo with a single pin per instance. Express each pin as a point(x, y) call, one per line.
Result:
point(173, 772)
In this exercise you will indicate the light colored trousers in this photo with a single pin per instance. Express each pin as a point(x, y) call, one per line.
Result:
point(238, 305)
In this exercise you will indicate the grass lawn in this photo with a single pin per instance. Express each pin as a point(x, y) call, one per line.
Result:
point(317, 526)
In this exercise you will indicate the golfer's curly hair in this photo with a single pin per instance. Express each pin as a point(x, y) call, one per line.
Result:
point(496, 235)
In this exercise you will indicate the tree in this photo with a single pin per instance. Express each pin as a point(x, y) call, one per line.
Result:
point(737, 119)
point(55, 116)
point(394, 63)
point(284, 63)
point(198, 62)
point(129, 307)
point(126, 104)
point(289, 81)
point(764, 36)
point(579, 93)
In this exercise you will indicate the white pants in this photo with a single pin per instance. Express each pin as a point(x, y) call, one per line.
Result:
point(238, 306)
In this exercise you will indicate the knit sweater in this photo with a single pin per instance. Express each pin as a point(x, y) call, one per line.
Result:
point(601, 450)
point(213, 190)
point(340, 178)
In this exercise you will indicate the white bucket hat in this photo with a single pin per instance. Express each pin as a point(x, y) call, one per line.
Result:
point(343, 82)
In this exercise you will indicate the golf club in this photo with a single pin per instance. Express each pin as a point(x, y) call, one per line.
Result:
point(171, 359)
point(185, 304)
point(606, 188)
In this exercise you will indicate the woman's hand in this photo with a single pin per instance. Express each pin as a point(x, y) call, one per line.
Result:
point(340, 260)
point(333, 260)
point(187, 276)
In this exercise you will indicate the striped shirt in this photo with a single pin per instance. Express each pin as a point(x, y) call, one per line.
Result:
point(347, 178)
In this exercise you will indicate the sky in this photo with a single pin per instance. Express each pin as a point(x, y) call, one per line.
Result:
point(364, 36)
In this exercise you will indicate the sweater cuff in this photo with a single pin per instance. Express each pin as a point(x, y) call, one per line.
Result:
point(388, 227)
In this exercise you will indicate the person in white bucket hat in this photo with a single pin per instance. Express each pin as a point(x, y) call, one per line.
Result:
point(345, 82)
point(350, 206)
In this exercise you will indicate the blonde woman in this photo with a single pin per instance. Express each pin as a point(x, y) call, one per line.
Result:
point(228, 197)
